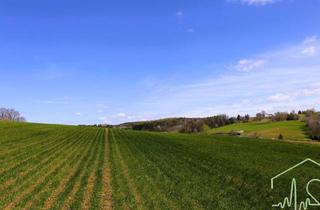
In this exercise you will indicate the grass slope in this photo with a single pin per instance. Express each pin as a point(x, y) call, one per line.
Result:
point(69, 167)
point(176, 171)
point(291, 130)
point(50, 166)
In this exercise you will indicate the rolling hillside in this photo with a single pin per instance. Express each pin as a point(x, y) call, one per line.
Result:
point(51, 167)
point(74, 167)
point(291, 130)
point(189, 171)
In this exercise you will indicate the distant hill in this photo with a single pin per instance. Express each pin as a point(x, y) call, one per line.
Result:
point(302, 126)
point(165, 125)
point(184, 125)
point(291, 130)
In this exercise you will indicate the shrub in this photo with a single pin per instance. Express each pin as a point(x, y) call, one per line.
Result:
point(280, 137)
point(313, 123)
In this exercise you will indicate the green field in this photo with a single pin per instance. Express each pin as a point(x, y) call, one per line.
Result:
point(175, 171)
point(291, 130)
point(51, 167)
point(70, 167)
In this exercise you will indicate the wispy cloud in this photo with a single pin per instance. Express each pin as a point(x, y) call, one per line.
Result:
point(277, 80)
point(78, 113)
point(311, 51)
point(119, 117)
point(280, 97)
point(310, 46)
point(249, 64)
point(53, 102)
point(255, 2)
point(310, 40)
point(281, 79)
point(102, 106)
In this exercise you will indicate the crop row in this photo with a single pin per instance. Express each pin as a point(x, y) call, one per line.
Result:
point(56, 167)
point(70, 167)
point(174, 171)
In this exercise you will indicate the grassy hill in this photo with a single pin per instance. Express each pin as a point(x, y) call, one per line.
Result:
point(75, 167)
point(291, 130)
point(191, 171)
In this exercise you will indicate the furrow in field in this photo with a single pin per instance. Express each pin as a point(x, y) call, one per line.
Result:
point(30, 169)
point(5, 183)
point(125, 170)
point(197, 164)
point(41, 194)
point(89, 190)
point(23, 134)
point(36, 142)
point(97, 197)
point(61, 185)
point(36, 201)
point(63, 161)
point(120, 192)
point(66, 196)
point(24, 163)
point(107, 190)
point(25, 129)
point(137, 157)
point(26, 181)
point(87, 184)
point(86, 201)
point(163, 166)
point(186, 159)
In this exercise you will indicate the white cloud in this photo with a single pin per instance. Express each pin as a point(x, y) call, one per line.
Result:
point(54, 102)
point(310, 40)
point(310, 46)
point(311, 92)
point(102, 106)
point(78, 113)
point(121, 114)
point(279, 80)
point(249, 64)
point(120, 117)
point(276, 80)
point(255, 2)
point(105, 119)
point(310, 51)
point(279, 97)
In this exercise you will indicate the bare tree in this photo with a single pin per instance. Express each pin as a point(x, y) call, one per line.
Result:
point(260, 116)
point(11, 115)
point(280, 116)
point(313, 122)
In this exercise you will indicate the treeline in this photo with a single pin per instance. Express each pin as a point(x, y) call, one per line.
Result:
point(11, 115)
point(278, 116)
point(185, 125)
point(195, 125)
point(312, 119)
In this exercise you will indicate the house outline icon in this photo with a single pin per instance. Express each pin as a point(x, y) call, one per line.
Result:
point(293, 167)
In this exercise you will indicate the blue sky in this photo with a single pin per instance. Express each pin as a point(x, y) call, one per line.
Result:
point(115, 61)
